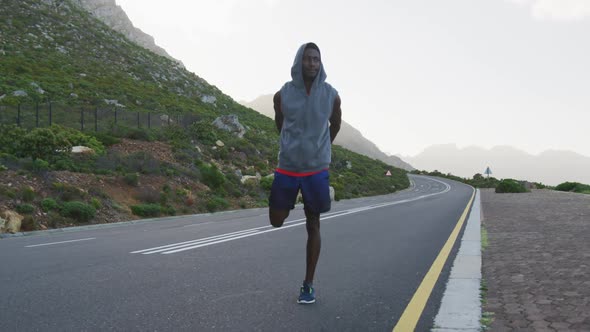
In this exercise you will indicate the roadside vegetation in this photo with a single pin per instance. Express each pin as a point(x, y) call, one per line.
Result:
point(508, 185)
point(575, 187)
point(42, 180)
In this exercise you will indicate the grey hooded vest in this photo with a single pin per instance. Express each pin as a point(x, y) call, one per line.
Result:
point(305, 135)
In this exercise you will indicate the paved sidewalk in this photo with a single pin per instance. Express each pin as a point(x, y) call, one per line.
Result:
point(537, 264)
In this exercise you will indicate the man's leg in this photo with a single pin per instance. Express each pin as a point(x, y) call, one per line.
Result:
point(283, 194)
point(314, 244)
point(277, 216)
point(316, 198)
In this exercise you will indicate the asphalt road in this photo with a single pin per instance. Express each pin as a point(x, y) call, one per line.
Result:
point(232, 271)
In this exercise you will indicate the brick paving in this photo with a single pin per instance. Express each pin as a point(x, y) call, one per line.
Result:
point(537, 263)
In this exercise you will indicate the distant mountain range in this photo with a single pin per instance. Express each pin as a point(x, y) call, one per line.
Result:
point(550, 167)
point(348, 137)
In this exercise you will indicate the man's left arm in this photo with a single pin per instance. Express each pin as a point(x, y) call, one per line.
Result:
point(335, 118)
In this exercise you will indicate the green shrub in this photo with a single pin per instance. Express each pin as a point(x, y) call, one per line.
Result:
point(48, 204)
point(25, 208)
point(56, 220)
point(217, 203)
point(64, 163)
point(42, 143)
point(106, 139)
point(132, 179)
point(566, 186)
point(266, 183)
point(540, 185)
point(146, 210)
point(135, 133)
point(573, 186)
point(204, 132)
point(68, 192)
point(10, 139)
point(95, 202)
point(510, 186)
point(28, 194)
point(211, 177)
point(79, 211)
point(40, 165)
point(29, 224)
point(8, 192)
point(169, 210)
point(75, 137)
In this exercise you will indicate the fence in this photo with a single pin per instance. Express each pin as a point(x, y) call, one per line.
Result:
point(88, 117)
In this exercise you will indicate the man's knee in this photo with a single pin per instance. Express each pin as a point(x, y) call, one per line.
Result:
point(312, 221)
point(277, 217)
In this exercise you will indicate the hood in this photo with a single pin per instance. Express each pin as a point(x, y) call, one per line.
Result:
point(297, 70)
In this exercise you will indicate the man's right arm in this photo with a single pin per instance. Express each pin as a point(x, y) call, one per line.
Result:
point(278, 113)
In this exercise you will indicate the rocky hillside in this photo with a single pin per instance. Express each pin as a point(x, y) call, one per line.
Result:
point(223, 158)
point(113, 15)
point(348, 137)
point(55, 51)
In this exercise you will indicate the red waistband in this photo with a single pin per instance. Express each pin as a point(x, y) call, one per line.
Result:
point(282, 171)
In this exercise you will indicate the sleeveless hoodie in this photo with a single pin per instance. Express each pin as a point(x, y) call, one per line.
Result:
point(305, 135)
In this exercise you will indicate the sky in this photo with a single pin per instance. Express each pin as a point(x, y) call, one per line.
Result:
point(410, 73)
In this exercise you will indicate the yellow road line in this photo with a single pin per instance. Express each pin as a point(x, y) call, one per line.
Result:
point(411, 315)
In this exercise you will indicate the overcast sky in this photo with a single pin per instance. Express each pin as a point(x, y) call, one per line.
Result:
point(410, 73)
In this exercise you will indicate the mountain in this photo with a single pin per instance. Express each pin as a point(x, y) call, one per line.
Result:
point(113, 15)
point(348, 137)
point(551, 167)
point(54, 50)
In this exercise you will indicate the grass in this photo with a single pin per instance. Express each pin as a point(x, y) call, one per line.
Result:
point(486, 320)
point(484, 239)
point(486, 317)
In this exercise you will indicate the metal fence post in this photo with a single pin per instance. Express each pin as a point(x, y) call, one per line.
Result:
point(115, 116)
point(138, 119)
point(18, 116)
point(149, 120)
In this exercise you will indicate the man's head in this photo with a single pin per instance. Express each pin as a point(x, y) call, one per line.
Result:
point(311, 62)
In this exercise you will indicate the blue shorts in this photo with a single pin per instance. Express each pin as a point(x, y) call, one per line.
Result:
point(315, 190)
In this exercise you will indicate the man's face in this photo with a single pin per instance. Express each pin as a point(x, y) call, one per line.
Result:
point(311, 64)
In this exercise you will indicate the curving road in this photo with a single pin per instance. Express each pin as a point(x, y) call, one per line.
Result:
point(233, 272)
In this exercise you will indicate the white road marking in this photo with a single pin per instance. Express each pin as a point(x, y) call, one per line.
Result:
point(198, 243)
point(52, 243)
point(188, 243)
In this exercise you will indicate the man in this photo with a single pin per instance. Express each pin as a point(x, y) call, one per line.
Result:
point(308, 116)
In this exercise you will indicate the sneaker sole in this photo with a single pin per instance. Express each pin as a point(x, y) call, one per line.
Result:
point(305, 302)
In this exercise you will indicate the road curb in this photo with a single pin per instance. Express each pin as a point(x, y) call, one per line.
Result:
point(460, 309)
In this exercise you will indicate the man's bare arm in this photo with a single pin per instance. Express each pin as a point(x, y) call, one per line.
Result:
point(278, 113)
point(335, 119)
